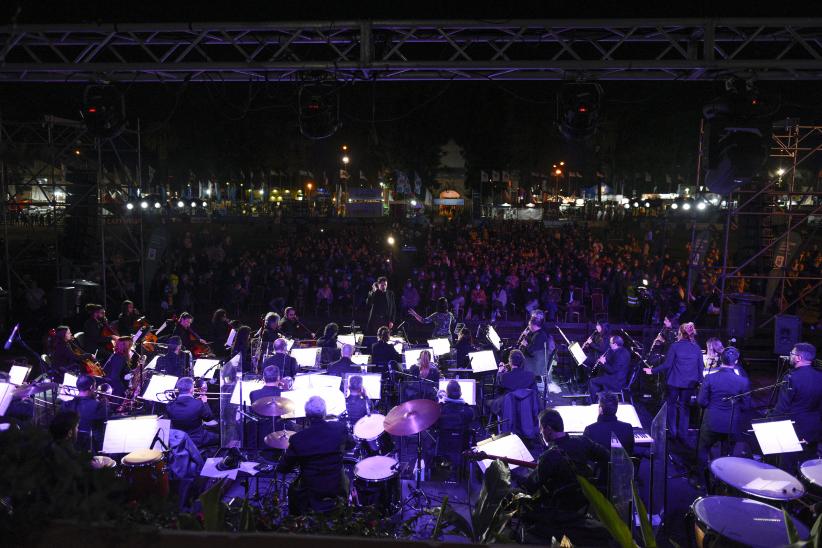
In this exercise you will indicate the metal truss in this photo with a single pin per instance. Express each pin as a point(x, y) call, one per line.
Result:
point(626, 49)
point(793, 144)
point(35, 155)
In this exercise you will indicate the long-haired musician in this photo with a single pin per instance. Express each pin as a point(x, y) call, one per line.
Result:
point(683, 364)
point(116, 368)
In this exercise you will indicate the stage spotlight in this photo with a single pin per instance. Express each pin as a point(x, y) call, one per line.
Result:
point(578, 107)
point(636, 204)
point(193, 204)
point(205, 204)
point(686, 206)
point(319, 109)
point(156, 205)
point(390, 240)
point(180, 203)
point(701, 206)
point(144, 204)
point(674, 205)
point(129, 206)
point(647, 204)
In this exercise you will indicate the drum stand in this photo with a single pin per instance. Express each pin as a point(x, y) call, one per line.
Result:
point(417, 496)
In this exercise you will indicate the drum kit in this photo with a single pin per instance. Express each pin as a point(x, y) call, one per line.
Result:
point(746, 509)
point(376, 472)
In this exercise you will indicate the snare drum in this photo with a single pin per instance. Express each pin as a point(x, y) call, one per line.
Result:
point(377, 483)
point(731, 521)
point(372, 437)
point(146, 473)
point(811, 472)
point(755, 479)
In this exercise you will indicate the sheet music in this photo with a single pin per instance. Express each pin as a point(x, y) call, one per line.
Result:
point(483, 360)
point(70, 380)
point(440, 346)
point(361, 359)
point(306, 357)
point(576, 351)
point(509, 446)
point(350, 340)
point(203, 366)
point(576, 417)
point(410, 357)
point(134, 433)
point(776, 437)
point(157, 387)
point(153, 363)
point(6, 395)
point(334, 400)
point(248, 387)
point(493, 337)
point(468, 387)
point(372, 382)
point(18, 374)
point(210, 469)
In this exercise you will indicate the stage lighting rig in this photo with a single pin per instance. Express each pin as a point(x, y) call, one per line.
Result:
point(319, 109)
point(737, 133)
point(578, 107)
point(104, 111)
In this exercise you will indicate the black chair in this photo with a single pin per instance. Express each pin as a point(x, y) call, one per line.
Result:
point(451, 444)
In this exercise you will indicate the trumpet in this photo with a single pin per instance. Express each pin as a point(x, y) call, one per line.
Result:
point(103, 391)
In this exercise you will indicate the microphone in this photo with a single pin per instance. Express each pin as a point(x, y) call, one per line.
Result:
point(11, 338)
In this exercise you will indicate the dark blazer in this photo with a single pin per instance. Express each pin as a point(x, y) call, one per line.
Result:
point(92, 413)
point(264, 392)
point(683, 364)
point(187, 414)
point(92, 341)
point(171, 364)
point(429, 389)
point(538, 352)
point(318, 451)
point(343, 367)
point(515, 379)
point(801, 400)
point(601, 430)
point(455, 416)
point(382, 309)
point(356, 407)
point(287, 364)
point(715, 388)
point(616, 370)
point(383, 352)
point(116, 369)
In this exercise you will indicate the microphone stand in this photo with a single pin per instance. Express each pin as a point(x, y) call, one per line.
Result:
point(417, 495)
point(733, 399)
point(19, 338)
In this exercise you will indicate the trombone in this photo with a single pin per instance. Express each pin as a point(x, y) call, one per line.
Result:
point(102, 391)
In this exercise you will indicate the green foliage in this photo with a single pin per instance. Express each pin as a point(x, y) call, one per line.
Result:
point(790, 526)
point(815, 539)
point(607, 514)
point(648, 537)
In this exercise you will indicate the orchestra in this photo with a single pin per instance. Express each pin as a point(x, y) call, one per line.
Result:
point(262, 372)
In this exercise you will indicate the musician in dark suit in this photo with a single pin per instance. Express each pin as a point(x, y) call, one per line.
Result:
point(357, 404)
point(93, 414)
point(188, 413)
point(93, 340)
point(344, 366)
point(285, 363)
point(174, 362)
point(564, 458)
point(607, 424)
point(800, 399)
point(318, 452)
point(382, 351)
point(683, 364)
point(382, 306)
point(290, 325)
point(183, 330)
point(536, 346)
point(512, 378)
point(455, 414)
point(721, 420)
point(616, 364)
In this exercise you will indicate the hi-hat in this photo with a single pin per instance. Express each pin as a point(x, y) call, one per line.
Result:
point(279, 439)
point(411, 417)
point(273, 406)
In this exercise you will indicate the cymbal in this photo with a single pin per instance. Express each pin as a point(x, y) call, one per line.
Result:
point(273, 406)
point(29, 390)
point(279, 439)
point(411, 417)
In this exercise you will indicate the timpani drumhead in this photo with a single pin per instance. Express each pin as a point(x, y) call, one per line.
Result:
point(811, 470)
point(745, 521)
point(757, 479)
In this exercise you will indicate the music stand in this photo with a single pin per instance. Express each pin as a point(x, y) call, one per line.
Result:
point(468, 387)
point(333, 397)
point(159, 384)
point(204, 366)
point(578, 354)
point(361, 359)
point(493, 337)
point(440, 346)
point(776, 436)
point(306, 357)
point(482, 361)
point(371, 382)
point(243, 389)
point(504, 445)
point(411, 356)
point(6, 395)
point(135, 433)
point(19, 373)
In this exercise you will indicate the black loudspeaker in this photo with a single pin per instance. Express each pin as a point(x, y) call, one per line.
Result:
point(786, 333)
point(740, 321)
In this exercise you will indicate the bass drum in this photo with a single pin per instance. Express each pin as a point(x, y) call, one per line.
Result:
point(377, 483)
point(731, 521)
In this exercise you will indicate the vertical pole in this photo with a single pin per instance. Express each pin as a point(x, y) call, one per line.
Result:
point(102, 219)
point(142, 242)
point(5, 204)
point(55, 231)
point(725, 258)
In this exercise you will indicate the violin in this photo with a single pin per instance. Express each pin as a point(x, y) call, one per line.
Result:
point(108, 332)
